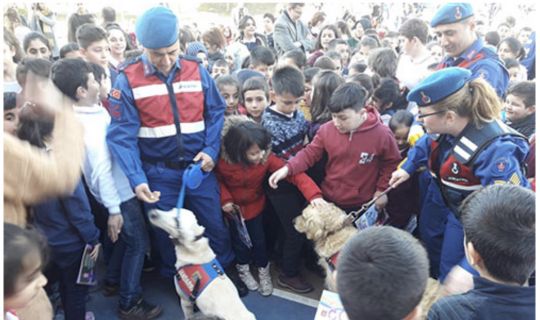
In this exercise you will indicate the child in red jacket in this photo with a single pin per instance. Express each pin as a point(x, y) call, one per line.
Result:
point(245, 161)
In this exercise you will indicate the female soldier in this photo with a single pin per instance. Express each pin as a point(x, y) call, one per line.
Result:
point(473, 149)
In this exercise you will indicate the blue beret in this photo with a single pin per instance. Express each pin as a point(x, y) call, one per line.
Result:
point(452, 13)
point(157, 28)
point(439, 85)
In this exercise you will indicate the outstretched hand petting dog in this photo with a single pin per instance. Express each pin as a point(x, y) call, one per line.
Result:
point(319, 203)
point(277, 176)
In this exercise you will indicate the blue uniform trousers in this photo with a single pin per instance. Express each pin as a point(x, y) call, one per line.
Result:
point(441, 232)
point(432, 222)
point(205, 204)
point(453, 252)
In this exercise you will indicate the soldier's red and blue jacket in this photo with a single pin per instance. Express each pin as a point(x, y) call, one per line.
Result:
point(143, 107)
point(478, 157)
point(482, 62)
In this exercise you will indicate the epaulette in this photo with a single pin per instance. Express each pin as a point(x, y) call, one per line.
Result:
point(474, 140)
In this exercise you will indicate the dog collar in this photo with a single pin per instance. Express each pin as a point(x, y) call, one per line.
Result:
point(192, 279)
point(332, 261)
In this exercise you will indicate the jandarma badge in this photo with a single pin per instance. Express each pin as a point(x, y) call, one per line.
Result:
point(115, 93)
point(425, 98)
point(458, 14)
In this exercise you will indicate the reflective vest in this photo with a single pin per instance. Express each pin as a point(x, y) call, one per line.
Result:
point(159, 103)
point(455, 174)
point(192, 279)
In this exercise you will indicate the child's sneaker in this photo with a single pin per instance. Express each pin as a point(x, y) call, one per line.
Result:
point(246, 277)
point(265, 280)
point(141, 310)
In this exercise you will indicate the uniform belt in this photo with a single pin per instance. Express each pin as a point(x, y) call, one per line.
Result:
point(171, 164)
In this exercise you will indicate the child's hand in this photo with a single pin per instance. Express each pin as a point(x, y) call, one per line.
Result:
point(114, 226)
point(95, 252)
point(278, 176)
point(228, 207)
point(319, 203)
point(399, 176)
point(381, 202)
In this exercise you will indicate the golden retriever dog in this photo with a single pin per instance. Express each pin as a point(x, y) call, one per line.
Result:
point(433, 293)
point(329, 231)
point(220, 297)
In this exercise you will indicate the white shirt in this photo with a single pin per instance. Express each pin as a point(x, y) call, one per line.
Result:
point(102, 173)
point(411, 71)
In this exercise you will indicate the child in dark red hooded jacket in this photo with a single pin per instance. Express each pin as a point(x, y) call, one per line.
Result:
point(362, 152)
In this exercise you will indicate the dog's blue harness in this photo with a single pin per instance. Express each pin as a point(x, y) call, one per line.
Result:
point(192, 279)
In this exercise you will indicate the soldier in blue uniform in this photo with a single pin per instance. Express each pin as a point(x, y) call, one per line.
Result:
point(473, 148)
point(454, 25)
point(166, 114)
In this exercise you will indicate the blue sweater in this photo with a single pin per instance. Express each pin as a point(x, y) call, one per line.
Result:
point(288, 133)
point(67, 222)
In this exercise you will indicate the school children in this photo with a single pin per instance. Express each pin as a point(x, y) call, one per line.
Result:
point(403, 201)
point(256, 97)
point(499, 225)
point(220, 68)
point(11, 114)
point(246, 158)
point(288, 129)
point(262, 59)
point(93, 44)
point(110, 187)
point(362, 152)
point(25, 255)
point(382, 273)
point(520, 107)
point(69, 227)
point(229, 88)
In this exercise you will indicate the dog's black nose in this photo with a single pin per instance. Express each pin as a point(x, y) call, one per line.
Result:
point(153, 215)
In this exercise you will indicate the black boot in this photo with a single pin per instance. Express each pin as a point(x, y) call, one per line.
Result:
point(232, 273)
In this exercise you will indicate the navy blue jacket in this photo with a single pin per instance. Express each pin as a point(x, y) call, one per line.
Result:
point(488, 300)
point(482, 62)
point(67, 222)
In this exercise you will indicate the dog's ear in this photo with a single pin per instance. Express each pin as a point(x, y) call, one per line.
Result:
point(300, 224)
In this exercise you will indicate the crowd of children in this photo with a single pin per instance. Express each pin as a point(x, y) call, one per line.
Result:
point(340, 118)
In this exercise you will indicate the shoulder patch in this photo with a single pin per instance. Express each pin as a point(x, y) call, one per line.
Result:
point(501, 165)
point(116, 94)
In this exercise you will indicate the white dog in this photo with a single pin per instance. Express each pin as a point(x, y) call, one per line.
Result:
point(329, 231)
point(220, 297)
